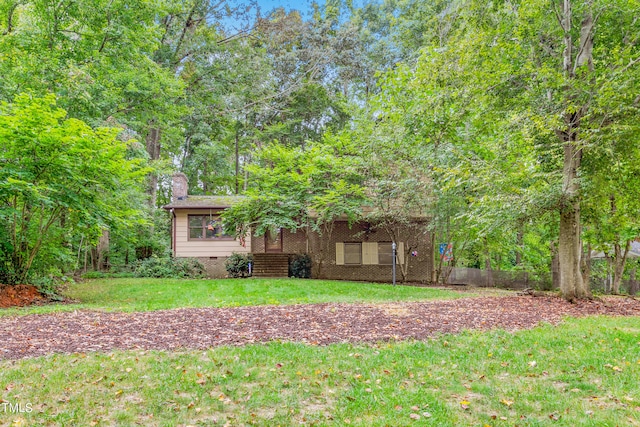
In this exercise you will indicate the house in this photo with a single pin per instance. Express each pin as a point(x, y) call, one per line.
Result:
point(359, 252)
point(196, 231)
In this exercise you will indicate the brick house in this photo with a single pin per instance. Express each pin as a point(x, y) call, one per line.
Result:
point(359, 252)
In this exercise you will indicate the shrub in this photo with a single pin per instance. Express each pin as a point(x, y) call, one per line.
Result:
point(49, 286)
point(300, 266)
point(237, 265)
point(170, 268)
point(94, 275)
point(107, 275)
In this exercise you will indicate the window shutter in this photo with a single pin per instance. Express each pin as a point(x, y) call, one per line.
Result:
point(369, 253)
point(339, 253)
point(400, 253)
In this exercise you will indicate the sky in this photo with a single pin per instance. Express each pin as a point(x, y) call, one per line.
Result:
point(302, 5)
point(266, 6)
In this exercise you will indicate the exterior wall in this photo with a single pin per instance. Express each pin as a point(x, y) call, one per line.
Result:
point(214, 266)
point(292, 243)
point(323, 251)
point(202, 249)
point(419, 267)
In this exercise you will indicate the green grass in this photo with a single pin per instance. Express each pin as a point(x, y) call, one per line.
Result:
point(583, 373)
point(134, 294)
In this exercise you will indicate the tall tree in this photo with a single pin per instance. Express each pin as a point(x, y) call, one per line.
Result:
point(567, 73)
point(57, 174)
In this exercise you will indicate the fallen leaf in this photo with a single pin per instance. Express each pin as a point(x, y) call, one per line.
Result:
point(507, 403)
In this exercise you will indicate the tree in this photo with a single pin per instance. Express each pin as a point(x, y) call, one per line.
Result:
point(564, 76)
point(300, 189)
point(58, 177)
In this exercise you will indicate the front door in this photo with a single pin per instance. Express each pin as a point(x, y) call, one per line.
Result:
point(273, 241)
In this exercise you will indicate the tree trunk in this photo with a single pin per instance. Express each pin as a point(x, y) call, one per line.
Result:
point(519, 245)
point(572, 284)
point(431, 265)
point(618, 265)
point(487, 266)
point(633, 283)
point(586, 265)
point(555, 267)
point(153, 149)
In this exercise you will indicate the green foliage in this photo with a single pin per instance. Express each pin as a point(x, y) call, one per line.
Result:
point(300, 266)
point(105, 275)
point(169, 268)
point(52, 286)
point(295, 188)
point(237, 265)
point(59, 178)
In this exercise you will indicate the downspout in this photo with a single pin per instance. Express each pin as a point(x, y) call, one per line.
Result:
point(173, 232)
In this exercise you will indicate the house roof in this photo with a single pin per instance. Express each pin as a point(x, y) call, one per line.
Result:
point(204, 202)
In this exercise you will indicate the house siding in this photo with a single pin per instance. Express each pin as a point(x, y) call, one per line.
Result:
point(328, 259)
point(211, 253)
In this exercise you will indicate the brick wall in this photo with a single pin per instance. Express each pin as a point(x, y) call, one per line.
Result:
point(419, 267)
point(214, 266)
point(292, 243)
point(323, 251)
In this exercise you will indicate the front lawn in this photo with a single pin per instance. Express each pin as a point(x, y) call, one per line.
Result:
point(157, 294)
point(583, 373)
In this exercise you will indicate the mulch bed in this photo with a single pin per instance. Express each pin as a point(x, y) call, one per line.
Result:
point(20, 296)
point(201, 328)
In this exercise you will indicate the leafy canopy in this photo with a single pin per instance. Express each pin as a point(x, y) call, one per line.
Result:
point(58, 174)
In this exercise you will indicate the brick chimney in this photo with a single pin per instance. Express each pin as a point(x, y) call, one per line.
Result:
point(180, 185)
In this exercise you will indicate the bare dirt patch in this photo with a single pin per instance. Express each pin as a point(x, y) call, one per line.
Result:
point(20, 296)
point(317, 324)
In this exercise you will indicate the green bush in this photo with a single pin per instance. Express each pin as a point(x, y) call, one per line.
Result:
point(49, 286)
point(237, 265)
point(169, 268)
point(107, 275)
point(300, 266)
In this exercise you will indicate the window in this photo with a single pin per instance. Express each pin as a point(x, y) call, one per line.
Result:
point(206, 227)
point(385, 253)
point(352, 253)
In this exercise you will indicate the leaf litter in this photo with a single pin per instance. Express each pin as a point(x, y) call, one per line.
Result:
point(315, 324)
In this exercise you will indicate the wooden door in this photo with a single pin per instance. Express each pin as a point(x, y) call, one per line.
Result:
point(273, 241)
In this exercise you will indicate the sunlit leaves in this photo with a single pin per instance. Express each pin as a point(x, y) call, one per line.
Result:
point(58, 174)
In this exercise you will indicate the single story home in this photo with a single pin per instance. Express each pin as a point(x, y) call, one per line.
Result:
point(359, 252)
